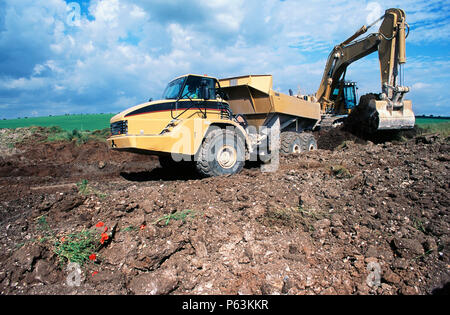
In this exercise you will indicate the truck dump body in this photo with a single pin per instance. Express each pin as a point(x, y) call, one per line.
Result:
point(253, 96)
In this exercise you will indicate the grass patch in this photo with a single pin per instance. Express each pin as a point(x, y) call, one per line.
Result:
point(56, 134)
point(340, 172)
point(177, 216)
point(85, 189)
point(442, 128)
point(429, 120)
point(129, 229)
point(285, 217)
point(294, 217)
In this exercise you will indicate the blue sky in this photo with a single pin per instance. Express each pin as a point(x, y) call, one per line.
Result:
point(114, 54)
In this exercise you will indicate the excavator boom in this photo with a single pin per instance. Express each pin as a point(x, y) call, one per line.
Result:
point(389, 110)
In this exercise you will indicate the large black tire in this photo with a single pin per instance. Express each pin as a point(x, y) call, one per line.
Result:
point(291, 143)
point(221, 153)
point(310, 143)
point(296, 143)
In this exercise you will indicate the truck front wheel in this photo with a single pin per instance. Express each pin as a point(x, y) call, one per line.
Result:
point(222, 153)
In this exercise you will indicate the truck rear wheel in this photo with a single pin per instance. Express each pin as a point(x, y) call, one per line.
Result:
point(222, 153)
point(309, 142)
point(295, 143)
point(291, 143)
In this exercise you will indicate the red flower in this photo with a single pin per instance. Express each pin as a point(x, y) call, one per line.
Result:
point(63, 239)
point(106, 229)
point(143, 226)
point(94, 273)
point(104, 238)
point(100, 224)
point(93, 257)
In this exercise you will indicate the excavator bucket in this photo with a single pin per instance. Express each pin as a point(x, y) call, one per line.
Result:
point(372, 115)
point(393, 119)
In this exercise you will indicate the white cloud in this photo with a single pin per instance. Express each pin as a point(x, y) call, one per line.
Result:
point(421, 86)
point(135, 47)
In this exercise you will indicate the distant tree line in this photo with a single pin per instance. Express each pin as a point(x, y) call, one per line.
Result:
point(432, 116)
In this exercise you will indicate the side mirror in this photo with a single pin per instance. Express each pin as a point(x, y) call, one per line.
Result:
point(205, 92)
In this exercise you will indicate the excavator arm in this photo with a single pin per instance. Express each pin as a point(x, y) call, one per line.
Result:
point(391, 111)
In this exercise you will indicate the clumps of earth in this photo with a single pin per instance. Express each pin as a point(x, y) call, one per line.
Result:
point(354, 217)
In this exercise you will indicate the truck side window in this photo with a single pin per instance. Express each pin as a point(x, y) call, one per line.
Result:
point(192, 88)
point(194, 84)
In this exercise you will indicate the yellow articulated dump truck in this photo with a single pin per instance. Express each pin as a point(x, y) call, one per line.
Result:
point(217, 125)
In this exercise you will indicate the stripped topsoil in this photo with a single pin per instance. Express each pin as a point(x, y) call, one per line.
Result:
point(354, 217)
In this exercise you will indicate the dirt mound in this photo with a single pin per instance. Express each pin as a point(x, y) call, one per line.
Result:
point(358, 218)
point(333, 138)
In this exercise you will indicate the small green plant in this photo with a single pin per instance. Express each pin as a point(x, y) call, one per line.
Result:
point(419, 225)
point(58, 134)
point(340, 172)
point(76, 247)
point(83, 187)
point(129, 228)
point(344, 145)
point(178, 216)
point(81, 247)
point(43, 226)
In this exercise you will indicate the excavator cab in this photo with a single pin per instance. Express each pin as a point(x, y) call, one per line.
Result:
point(345, 97)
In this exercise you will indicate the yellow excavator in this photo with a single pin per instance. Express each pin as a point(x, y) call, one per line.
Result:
point(386, 111)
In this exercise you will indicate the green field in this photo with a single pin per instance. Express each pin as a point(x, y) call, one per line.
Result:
point(434, 125)
point(428, 121)
point(101, 121)
point(69, 122)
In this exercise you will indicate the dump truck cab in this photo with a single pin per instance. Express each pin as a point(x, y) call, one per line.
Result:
point(175, 126)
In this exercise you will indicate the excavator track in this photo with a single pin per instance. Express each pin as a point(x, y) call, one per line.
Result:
point(330, 122)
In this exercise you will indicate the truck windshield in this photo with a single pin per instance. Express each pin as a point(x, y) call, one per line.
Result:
point(173, 89)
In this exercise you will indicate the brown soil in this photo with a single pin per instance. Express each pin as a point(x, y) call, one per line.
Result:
point(316, 226)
